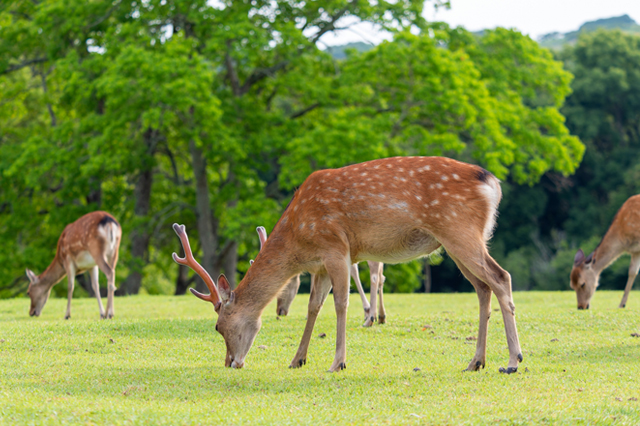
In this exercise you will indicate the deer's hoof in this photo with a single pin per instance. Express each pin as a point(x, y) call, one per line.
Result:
point(341, 366)
point(520, 358)
point(299, 363)
point(369, 322)
point(67, 317)
point(475, 366)
point(382, 319)
point(508, 370)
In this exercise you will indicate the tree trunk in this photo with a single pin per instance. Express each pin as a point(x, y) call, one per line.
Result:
point(427, 275)
point(230, 262)
point(140, 235)
point(207, 226)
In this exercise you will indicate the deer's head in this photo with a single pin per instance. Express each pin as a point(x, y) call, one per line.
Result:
point(238, 330)
point(584, 278)
point(38, 293)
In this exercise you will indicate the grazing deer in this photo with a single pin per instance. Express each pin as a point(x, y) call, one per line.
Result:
point(390, 210)
point(89, 243)
point(288, 293)
point(622, 237)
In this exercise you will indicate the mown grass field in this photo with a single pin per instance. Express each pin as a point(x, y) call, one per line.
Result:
point(161, 362)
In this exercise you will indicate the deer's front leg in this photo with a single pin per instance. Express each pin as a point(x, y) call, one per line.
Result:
point(71, 277)
point(320, 286)
point(633, 272)
point(338, 271)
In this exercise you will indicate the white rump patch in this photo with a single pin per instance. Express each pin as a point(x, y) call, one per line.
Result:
point(492, 193)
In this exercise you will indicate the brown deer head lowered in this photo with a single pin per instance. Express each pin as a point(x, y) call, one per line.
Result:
point(223, 299)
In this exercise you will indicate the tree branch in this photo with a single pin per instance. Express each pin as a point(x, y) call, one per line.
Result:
point(17, 67)
point(304, 111)
point(260, 74)
point(231, 71)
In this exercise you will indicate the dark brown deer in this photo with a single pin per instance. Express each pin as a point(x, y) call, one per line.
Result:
point(90, 243)
point(622, 237)
point(390, 210)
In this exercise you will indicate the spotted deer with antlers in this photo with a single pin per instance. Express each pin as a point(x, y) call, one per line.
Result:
point(91, 243)
point(288, 293)
point(623, 236)
point(391, 210)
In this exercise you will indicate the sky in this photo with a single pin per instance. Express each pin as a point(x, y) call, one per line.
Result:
point(532, 17)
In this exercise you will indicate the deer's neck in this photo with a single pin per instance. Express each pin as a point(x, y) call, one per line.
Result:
point(53, 274)
point(272, 269)
point(609, 249)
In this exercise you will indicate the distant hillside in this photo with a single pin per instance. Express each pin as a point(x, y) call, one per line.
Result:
point(338, 52)
point(556, 40)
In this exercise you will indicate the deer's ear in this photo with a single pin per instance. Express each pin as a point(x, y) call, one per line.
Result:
point(589, 259)
point(579, 257)
point(32, 277)
point(224, 288)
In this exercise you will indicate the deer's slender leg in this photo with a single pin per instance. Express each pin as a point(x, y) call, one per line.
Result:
point(478, 261)
point(320, 286)
point(111, 281)
point(373, 310)
point(634, 266)
point(484, 299)
point(338, 270)
point(95, 274)
point(379, 267)
point(355, 274)
point(71, 277)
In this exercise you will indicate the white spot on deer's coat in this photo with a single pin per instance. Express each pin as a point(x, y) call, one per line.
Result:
point(401, 205)
point(445, 178)
point(434, 202)
point(455, 176)
point(312, 225)
point(419, 198)
point(439, 185)
point(445, 193)
point(295, 208)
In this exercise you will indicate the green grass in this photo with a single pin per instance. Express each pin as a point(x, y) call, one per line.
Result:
point(161, 362)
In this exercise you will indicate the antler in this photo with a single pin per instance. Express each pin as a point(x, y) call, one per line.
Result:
point(262, 234)
point(189, 261)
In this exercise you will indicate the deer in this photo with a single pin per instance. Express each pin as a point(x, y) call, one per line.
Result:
point(623, 236)
point(286, 296)
point(389, 210)
point(91, 243)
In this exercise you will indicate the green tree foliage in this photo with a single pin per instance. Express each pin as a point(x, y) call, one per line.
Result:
point(541, 227)
point(210, 114)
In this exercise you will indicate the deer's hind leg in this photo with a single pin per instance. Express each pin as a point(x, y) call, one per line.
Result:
point(475, 258)
point(355, 274)
point(95, 283)
point(484, 298)
point(377, 268)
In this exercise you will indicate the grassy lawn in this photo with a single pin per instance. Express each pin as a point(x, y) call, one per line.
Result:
point(161, 362)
